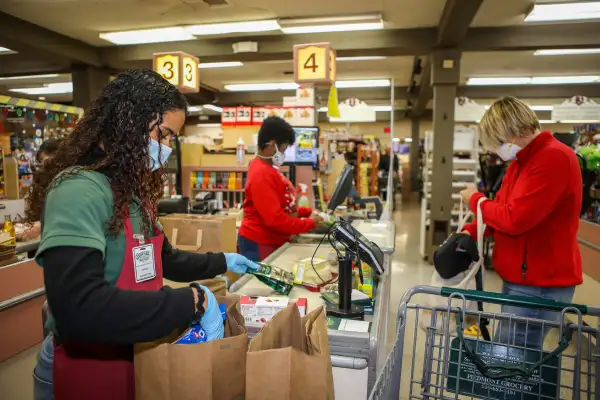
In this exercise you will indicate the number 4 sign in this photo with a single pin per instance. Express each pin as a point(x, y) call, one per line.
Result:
point(314, 64)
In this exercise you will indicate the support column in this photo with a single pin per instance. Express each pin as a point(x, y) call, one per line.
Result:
point(87, 83)
point(445, 68)
point(414, 154)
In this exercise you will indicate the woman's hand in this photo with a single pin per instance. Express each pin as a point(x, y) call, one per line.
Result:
point(212, 320)
point(31, 232)
point(238, 263)
point(468, 192)
point(317, 219)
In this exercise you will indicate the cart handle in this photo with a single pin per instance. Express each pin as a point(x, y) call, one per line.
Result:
point(518, 301)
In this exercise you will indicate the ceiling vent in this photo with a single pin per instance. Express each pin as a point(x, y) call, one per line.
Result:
point(216, 3)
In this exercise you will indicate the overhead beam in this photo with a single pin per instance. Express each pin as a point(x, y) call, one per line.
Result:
point(43, 44)
point(455, 21)
point(391, 42)
point(424, 93)
point(382, 95)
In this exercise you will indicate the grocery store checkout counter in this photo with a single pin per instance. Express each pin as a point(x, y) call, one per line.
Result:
point(357, 349)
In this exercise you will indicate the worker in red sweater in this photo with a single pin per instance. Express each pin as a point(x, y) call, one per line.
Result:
point(271, 216)
point(534, 217)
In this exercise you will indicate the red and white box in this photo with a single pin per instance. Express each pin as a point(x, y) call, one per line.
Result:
point(243, 116)
point(228, 116)
point(258, 115)
point(262, 309)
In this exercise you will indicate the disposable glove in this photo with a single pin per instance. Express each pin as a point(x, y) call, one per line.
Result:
point(238, 263)
point(212, 320)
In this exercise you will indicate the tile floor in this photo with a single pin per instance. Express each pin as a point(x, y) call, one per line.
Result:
point(408, 269)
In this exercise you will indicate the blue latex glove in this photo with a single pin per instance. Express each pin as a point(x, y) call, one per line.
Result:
point(238, 263)
point(212, 320)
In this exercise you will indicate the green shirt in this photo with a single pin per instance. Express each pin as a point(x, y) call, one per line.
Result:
point(77, 212)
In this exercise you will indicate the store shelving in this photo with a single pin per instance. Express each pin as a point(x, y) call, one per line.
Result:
point(465, 169)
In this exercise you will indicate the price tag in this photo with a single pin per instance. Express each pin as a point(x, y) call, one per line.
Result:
point(314, 64)
point(228, 116)
point(243, 116)
point(180, 69)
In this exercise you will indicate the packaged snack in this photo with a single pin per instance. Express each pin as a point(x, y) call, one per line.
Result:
point(276, 278)
point(195, 334)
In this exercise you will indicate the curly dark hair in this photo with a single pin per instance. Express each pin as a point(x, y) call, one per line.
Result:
point(119, 120)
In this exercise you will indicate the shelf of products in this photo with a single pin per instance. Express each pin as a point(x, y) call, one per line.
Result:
point(465, 169)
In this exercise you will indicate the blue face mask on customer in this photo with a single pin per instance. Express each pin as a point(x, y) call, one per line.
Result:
point(159, 154)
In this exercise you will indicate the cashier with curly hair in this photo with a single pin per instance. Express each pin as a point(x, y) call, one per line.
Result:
point(102, 250)
point(534, 217)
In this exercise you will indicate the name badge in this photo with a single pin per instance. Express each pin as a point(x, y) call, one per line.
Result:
point(143, 263)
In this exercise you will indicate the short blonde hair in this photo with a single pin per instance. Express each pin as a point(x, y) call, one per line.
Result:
point(506, 118)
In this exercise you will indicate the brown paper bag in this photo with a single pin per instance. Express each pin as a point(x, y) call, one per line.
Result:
point(211, 370)
point(202, 234)
point(289, 358)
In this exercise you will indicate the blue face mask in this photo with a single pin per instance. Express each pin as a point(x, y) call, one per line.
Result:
point(159, 153)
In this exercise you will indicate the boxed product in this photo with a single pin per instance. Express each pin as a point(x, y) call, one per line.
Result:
point(304, 273)
point(262, 309)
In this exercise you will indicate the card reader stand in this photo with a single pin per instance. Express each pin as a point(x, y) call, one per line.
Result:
point(345, 308)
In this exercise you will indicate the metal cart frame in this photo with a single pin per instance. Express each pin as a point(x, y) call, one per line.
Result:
point(507, 367)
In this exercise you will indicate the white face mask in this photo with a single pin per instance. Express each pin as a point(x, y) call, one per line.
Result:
point(508, 151)
point(278, 158)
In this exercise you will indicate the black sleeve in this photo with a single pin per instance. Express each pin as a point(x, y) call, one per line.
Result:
point(181, 266)
point(87, 308)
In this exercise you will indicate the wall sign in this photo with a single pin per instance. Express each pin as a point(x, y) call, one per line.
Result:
point(466, 110)
point(577, 108)
point(180, 69)
point(354, 110)
point(314, 64)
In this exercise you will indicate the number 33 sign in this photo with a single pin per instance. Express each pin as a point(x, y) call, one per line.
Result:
point(180, 69)
point(314, 64)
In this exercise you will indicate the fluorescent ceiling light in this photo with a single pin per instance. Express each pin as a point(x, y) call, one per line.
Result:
point(212, 107)
point(536, 80)
point(9, 78)
point(51, 88)
point(210, 125)
point(171, 34)
point(194, 108)
point(564, 11)
point(535, 108)
point(376, 108)
point(395, 139)
point(565, 52)
point(498, 81)
point(579, 121)
point(252, 87)
point(234, 27)
point(408, 140)
point(368, 26)
point(361, 58)
point(227, 64)
point(547, 121)
point(5, 50)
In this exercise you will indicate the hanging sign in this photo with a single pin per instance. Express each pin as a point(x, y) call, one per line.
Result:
point(243, 116)
point(577, 108)
point(180, 69)
point(354, 110)
point(314, 64)
point(466, 110)
point(228, 116)
point(258, 115)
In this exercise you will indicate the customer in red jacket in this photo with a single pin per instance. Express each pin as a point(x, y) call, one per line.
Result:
point(271, 216)
point(534, 217)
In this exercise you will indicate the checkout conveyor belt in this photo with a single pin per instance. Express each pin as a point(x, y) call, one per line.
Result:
point(355, 350)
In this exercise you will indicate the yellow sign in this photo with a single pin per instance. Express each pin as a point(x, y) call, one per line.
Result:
point(314, 63)
point(180, 69)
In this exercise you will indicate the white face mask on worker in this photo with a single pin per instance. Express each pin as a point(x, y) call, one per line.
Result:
point(278, 158)
point(508, 151)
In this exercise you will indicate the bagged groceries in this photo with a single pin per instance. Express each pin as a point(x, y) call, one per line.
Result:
point(195, 334)
point(276, 278)
point(289, 359)
point(209, 370)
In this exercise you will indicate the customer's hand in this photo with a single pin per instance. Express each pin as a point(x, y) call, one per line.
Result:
point(238, 263)
point(468, 192)
point(31, 231)
point(317, 219)
point(212, 321)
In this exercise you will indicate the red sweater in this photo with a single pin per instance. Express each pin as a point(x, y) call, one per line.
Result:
point(267, 207)
point(535, 216)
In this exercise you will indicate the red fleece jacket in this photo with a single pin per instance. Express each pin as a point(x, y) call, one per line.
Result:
point(535, 216)
point(267, 198)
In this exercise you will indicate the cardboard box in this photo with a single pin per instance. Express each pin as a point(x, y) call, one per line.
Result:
point(262, 309)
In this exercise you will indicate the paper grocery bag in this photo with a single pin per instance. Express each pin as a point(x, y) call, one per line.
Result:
point(210, 370)
point(289, 358)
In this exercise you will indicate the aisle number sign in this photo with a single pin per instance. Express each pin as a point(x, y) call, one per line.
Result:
point(314, 64)
point(180, 69)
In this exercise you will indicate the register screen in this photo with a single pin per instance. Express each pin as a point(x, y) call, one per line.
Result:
point(305, 150)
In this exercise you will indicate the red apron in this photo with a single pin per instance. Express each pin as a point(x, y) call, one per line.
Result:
point(97, 371)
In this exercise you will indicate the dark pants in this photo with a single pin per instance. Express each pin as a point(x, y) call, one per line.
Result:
point(254, 251)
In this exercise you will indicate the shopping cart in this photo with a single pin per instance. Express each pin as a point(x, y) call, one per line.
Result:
point(445, 363)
